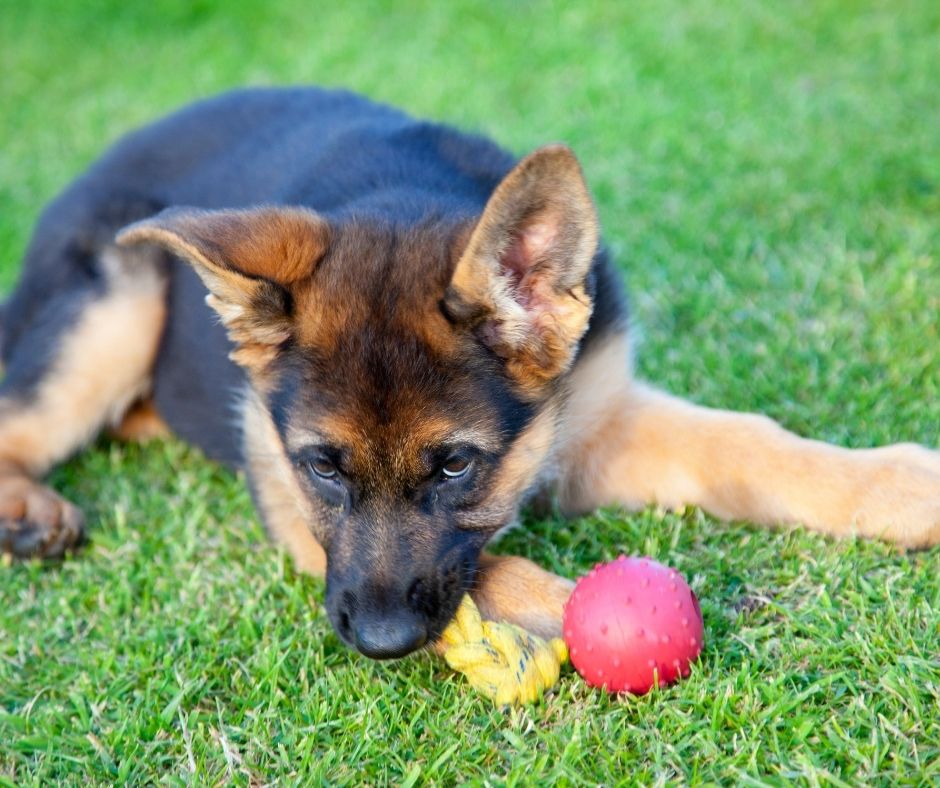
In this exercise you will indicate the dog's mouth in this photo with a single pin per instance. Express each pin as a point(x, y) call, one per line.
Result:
point(456, 581)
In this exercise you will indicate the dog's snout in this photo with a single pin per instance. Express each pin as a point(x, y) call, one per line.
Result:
point(383, 621)
point(389, 637)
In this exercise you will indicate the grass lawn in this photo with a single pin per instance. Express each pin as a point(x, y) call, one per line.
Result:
point(768, 176)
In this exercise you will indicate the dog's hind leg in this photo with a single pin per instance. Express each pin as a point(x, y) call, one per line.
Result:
point(76, 357)
point(632, 445)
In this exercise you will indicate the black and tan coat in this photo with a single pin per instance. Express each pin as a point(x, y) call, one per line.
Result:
point(400, 333)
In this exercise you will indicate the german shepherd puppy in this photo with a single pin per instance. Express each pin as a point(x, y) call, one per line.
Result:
point(417, 332)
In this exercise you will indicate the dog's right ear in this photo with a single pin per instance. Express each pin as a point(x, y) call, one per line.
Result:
point(249, 260)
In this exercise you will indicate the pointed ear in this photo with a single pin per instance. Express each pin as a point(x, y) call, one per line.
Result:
point(521, 279)
point(249, 260)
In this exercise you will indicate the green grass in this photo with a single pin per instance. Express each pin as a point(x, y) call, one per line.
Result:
point(768, 175)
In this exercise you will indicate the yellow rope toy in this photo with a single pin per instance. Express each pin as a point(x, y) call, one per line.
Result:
point(501, 661)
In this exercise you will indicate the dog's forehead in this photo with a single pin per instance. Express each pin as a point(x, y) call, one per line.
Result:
point(379, 278)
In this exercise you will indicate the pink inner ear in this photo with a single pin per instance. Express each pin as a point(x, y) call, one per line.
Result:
point(538, 239)
point(525, 251)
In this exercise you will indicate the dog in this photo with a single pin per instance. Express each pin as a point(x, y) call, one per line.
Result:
point(401, 333)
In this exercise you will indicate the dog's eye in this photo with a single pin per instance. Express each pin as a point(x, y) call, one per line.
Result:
point(455, 467)
point(322, 468)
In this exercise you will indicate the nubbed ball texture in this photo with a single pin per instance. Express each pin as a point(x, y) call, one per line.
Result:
point(632, 624)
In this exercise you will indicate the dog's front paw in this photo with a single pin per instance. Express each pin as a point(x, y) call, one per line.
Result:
point(36, 521)
point(900, 498)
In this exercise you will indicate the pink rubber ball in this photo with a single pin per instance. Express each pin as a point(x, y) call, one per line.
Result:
point(632, 624)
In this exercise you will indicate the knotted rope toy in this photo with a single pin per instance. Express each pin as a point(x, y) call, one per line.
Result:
point(501, 661)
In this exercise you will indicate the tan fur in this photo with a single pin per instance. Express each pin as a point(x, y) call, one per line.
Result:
point(101, 368)
point(284, 508)
point(140, 424)
point(515, 589)
point(632, 445)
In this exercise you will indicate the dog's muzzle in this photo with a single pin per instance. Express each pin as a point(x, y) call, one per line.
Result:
point(382, 621)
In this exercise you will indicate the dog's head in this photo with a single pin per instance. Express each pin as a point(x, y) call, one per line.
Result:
point(410, 373)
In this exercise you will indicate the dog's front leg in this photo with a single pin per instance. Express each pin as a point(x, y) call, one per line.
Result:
point(643, 446)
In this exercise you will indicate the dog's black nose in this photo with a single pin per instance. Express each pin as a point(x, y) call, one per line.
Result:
point(389, 637)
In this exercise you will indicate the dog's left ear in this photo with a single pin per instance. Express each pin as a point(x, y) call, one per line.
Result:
point(249, 260)
point(520, 281)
